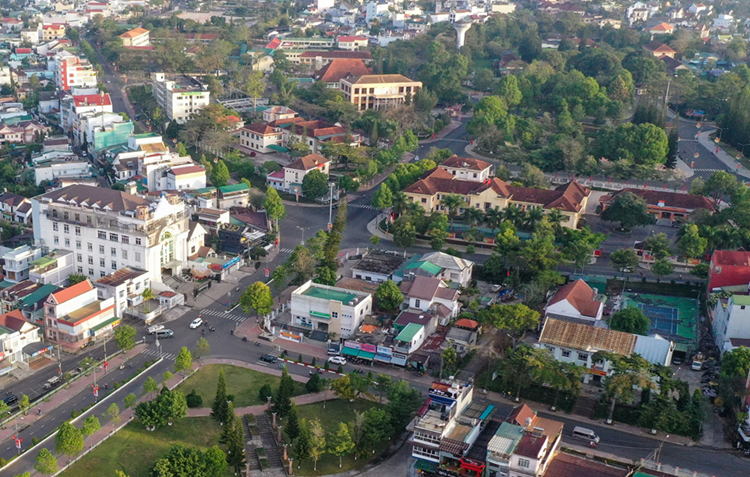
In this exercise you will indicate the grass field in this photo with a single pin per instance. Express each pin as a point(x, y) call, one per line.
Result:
point(134, 450)
point(335, 412)
point(243, 383)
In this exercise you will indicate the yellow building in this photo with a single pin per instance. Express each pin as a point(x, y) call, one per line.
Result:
point(137, 37)
point(53, 31)
point(484, 194)
point(378, 91)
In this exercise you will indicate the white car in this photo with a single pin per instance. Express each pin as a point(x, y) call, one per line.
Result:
point(153, 329)
point(337, 360)
point(196, 323)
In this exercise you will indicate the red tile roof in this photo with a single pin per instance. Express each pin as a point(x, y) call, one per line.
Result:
point(729, 268)
point(580, 296)
point(13, 320)
point(565, 465)
point(184, 170)
point(669, 199)
point(260, 128)
point(73, 291)
point(589, 338)
point(93, 100)
point(310, 161)
point(530, 446)
point(135, 32)
point(467, 323)
point(338, 69)
point(662, 27)
point(658, 47)
point(273, 44)
point(466, 163)
point(23, 51)
point(520, 414)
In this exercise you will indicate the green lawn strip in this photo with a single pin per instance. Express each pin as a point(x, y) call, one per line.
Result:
point(335, 412)
point(243, 383)
point(134, 450)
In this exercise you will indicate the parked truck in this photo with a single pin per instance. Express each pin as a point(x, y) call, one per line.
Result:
point(697, 362)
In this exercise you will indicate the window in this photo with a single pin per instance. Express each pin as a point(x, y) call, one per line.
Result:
point(742, 307)
point(91, 260)
point(67, 242)
point(102, 274)
point(583, 356)
point(125, 239)
point(78, 245)
point(66, 215)
point(114, 265)
point(91, 272)
point(124, 254)
point(334, 314)
point(101, 249)
point(102, 235)
point(566, 353)
point(79, 258)
point(89, 247)
point(102, 263)
point(137, 240)
point(524, 463)
point(114, 238)
point(113, 252)
point(80, 269)
point(66, 228)
point(78, 230)
point(416, 302)
point(137, 257)
point(551, 348)
point(55, 226)
point(77, 217)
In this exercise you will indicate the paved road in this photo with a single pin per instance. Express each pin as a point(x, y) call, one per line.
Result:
point(706, 163)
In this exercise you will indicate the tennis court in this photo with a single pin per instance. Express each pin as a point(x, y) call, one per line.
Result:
point(673, 317)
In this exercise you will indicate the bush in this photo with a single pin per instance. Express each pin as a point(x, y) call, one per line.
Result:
point(299, 359)
point(34, 440)
point(193, 399)
point(3, 462)
point(314, 361)
point(117, 385)
point(74, 414)
point(340, 369)
point(230, 397)
point(264, 392)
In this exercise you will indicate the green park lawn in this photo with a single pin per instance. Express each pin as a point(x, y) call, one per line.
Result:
point(335, 412)
point(243, 383)
point(134, 450)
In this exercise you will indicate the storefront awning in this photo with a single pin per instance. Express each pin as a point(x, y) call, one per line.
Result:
point(383, 358)
point(366, 355)
point(425, 466)
point(350, 352)
point(276, 148)
point(35, 349)
point(398, 361)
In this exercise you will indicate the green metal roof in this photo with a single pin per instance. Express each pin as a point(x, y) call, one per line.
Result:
point(426, 466)
point(106, 323)
point(39, 294)
point(43, 261)
point(408, 333)
point(326, 294)
point(276, 148)
point(234, 188)
point(205, 190)
point(366, 355)
point(350, 352)
point(5, 284)
point(424, 265)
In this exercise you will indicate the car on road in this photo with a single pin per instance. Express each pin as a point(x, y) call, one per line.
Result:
point(337, 360)
point(12, 399)
point(154, 328)
point(161, 334)
point(269, 358)
point(109, 81)
point(52, 382)
point(196, 323)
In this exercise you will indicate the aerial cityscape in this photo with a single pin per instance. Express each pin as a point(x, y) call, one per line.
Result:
point(434, 238)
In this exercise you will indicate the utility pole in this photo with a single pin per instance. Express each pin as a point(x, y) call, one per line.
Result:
point(330, 207)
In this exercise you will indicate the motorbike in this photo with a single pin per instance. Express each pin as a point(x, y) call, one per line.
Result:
point(257, 343)
point(212, 329)
point(244, 338)
point(231, 332)
point(203, 332)
point(122, 366)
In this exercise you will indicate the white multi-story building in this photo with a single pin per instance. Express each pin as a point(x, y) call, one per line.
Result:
point(54, 268)
point(187, 177)
point(72, 71)
point(109, 229)
point(74, 316)
point(258, 137)
point(15, 334)
point(378, 91)
point(152, 159)
point(180, 97)
point(374, 9)
point(135, 38)
point(18, 261)
point(290, 178)
point(731, 322)
point(70, 167)
point(125, 286)
point(329, 309)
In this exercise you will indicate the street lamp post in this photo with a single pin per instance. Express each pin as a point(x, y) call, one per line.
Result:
point(330, 206)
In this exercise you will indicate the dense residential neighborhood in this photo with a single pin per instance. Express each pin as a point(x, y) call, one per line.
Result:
point(433, 238)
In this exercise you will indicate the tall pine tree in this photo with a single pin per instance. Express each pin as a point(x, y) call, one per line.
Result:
point(229, 425)
point(302, 449)
point(282, 402)
point(236, 446)
point(220, 408)
point(292, 427)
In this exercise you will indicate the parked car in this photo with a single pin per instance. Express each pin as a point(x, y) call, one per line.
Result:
point(9, 400)
point(269, 358)
point(337, 360)
point(196, 323)
point(154, 328)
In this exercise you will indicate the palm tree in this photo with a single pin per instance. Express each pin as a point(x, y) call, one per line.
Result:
point(629, 373)
point(494, 218)
point(413, 208)
point(147, 295)
point(559, 375)
point(473, 216)
point(555, 218)
point(533, 217)
point(514, 215)
point(400, 203)
point(452, 203)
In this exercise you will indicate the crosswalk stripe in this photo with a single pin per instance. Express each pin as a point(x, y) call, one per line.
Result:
point(709, 170)
point(286, 250)
point(362, 206)
point(155, 354)
point(688, 140)
point(221, 314)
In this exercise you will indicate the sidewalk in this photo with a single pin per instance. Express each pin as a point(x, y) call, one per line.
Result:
point(732, 164)
point(63, 395)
